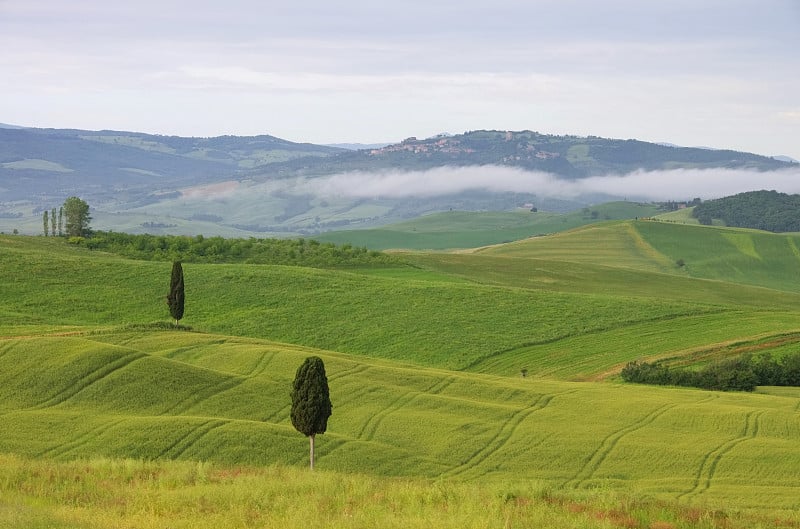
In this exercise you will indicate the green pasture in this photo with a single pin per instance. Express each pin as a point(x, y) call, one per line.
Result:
point(135, 494)
point(448, 324)
point(202, 397)
point(466, 229)
point(739, 256)
point(425, 364)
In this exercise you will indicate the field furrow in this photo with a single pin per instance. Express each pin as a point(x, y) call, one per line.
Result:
point(440, 386)
point(610, 442)
point(92, 378)
point(183, 443)
point(708, 467)
point(262, 364)
point(370, 427)
point(501, 438)
point(355, 369)
point(85, 438)
point(186, 404)
point(279, 414)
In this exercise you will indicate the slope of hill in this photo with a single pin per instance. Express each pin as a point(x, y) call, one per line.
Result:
point(424, 363)
point(463, 229)
point(565, 156)
point(760, 210)
point(725, 254)
point(97, 164)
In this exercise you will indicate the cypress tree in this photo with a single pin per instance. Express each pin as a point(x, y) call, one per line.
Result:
point(45, 222)
point(53, 222)
point(311, 401)
point(175, 297)
point(61, 221)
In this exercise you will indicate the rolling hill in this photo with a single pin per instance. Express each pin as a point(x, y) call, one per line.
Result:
point(470, 229)
point(262, 185)
point(424, 361)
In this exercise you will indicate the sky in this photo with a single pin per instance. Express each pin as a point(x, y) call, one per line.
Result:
point(715, 73)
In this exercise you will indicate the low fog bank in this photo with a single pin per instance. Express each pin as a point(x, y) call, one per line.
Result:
point(678, 184)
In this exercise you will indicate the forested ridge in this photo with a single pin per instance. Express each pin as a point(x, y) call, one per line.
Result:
point(761, 210)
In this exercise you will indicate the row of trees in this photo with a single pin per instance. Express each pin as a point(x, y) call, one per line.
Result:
point(742, 373)
point(200, 249)
point(76, 212)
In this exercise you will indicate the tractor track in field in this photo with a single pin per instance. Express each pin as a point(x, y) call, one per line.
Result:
point(362, 388)
point(91, 378)
point(373, 423)
point(475, 364)
point(196, 398)
point(283, 410)
point(608, 444)
point(45, 335)
point(6, 347)
point(186, 441)
point(80, 440)
point(503, 435)
point(353, 396)
point(358, 368)
point(262, 364)
point(708, 467)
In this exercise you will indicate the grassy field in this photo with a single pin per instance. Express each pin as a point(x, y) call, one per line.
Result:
point(732, 255)
point(465, 229)
point(177, 395)
point(133, 494)
point(424, 363)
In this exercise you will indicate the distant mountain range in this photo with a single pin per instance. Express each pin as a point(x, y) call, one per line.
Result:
point(236, 185)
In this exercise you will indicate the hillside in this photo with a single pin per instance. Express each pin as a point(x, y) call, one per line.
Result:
point(565, 156)
point(760, 210)
point(126, 167)
point(425, 358)
point(461, 229)
point(716, 253)
point(262, 185)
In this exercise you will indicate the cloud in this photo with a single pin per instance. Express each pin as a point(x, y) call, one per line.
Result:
point(679, 184)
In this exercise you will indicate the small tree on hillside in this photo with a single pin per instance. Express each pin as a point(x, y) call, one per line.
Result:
point(45, 222)
point(77, 215)
point(175, 298)
point(61, 221)
point(311, 402)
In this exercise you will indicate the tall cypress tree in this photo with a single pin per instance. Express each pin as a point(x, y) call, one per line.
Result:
point(175, 297)
point(311, 401)
point(53, 222)
point(61, 221)
point(45, 222)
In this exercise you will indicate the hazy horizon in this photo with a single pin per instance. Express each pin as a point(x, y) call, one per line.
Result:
point(718, 73)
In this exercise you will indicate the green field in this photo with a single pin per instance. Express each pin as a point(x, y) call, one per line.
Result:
point(424, 362)
point(466, 229)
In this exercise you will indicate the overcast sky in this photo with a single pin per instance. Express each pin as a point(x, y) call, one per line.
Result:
point(718, 73)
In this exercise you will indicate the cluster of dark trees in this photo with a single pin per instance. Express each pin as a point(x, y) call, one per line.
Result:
point(200, 249)
point(742, 373)
point(761, 210)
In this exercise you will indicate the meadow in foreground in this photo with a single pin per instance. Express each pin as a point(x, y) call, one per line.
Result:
point(133, 494)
